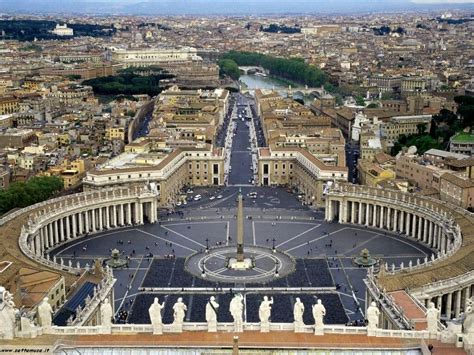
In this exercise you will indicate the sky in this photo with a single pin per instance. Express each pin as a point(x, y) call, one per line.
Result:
point(226, 7)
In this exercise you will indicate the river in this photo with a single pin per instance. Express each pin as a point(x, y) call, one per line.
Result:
point(252, 81)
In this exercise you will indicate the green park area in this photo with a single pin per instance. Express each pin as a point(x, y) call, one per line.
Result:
point(23, 194)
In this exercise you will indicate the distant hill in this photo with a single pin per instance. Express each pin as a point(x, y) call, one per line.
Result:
point(212, 7)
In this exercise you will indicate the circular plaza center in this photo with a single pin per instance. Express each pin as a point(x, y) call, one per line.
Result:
point(260, 264)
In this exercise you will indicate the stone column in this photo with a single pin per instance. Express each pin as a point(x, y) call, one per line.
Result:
point(129, 213)
point(443, 243)
point(140, 212)
point(122, 219)
point(395, 220)
point(467, 295)
point(419, 228)
point(374, 215)
point(381, 223)
point(94, 225)
point(329, 213)
point(430, 233)
point(50, 235)
point(402, 221)
point(34, 245)
point(107, 217)
point(68, 228)
point(449, 302)
point(41, 240)
point(388, 218)
point(80, 216)
point(435, 236)
point(457, 309)
point(407, 226)
point(114, 215)
point(341, 212)
point(439, 302)
point(56, 232)
point(359, 211)
point(101, 218)
point(74, 225)
point(61, 230)
point(367, 214)
point(353, 204)
point(413, 226)
point(425, 230)
point(87, 224)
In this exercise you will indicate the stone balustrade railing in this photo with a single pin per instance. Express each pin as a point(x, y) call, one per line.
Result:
point(100, 293)
point(388, 304)
point(443, 285)
point(229, 327)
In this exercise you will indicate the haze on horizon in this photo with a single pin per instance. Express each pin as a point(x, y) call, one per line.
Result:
point(226, 7)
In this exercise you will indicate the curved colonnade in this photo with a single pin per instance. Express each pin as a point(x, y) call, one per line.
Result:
point(59, 221)
point(445, 277)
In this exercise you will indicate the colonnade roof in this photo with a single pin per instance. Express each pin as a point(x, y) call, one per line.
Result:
point(10, 251)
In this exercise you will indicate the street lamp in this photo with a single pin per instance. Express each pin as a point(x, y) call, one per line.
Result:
point(273, 245)
point(207, 245)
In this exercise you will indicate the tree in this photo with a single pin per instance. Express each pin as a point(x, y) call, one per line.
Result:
point(465, 109)
point(23, 194)
point(433, 128)
point(294, 69)
point(230, 68)
point(359, 101)
point(421, 128)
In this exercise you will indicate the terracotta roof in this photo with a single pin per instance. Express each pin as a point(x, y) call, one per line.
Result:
point(460, 163)
point(462, 182)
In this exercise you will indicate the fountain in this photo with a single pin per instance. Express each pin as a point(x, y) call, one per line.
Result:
point(364, 259)
point(115, 260)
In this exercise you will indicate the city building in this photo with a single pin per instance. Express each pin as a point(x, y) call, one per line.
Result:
point(63, 30)
point(299, 169)
point(462, 143)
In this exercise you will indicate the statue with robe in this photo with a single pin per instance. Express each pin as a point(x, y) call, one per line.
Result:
point(155, 316)
point(298, 310)
point(432, 318)
point(264, 313)
point(319, 311)
point(211, 314)
point(45, 313)
point(373, 314)
point(236, 309)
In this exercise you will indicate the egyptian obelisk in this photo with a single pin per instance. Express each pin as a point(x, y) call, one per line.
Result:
point(240, 228)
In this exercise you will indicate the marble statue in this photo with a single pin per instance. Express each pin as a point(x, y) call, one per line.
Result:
point(468, 323)
point(319, 311)
point(45, 313)
point(264, 313)
point(211, 314)
point(298, 311)
point(27, 328)
point(155, 316)
point(179, 309)
point(373, 316)
point(432, 318)
point(106, 314)
point(8, 314)
point(236, 309)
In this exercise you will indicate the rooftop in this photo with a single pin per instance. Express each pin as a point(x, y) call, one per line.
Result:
point(463, 137)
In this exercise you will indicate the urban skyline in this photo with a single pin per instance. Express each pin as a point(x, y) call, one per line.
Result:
point(228, 7)
point(236, 176)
